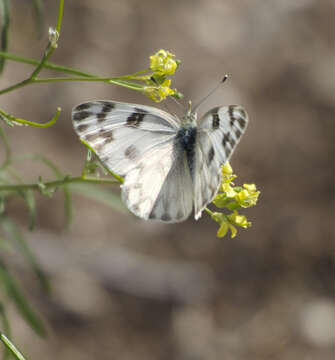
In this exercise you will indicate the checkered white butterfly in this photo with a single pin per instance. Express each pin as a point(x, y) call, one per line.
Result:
point(169, 165)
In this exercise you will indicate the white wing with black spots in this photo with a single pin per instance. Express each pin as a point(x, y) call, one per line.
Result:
point(170, 167)
point(121, 133)
point(219, 132)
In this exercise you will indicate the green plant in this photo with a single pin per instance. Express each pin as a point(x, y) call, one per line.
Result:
point(154, 83)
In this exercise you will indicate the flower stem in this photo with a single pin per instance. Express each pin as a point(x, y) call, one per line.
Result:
point(57, 183)
point(209, 212)
point(60, 15)
point(47, 64)
point(11, 347)
point(51, 47)
point(31, 123)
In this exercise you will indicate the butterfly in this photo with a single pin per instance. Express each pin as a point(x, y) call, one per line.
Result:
point(170, 166)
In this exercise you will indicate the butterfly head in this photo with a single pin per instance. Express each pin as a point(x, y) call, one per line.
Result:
point(191, 116)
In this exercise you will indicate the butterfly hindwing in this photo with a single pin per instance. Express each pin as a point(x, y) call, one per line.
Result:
point(219, 132)
point(160, 187)
point(175, 199)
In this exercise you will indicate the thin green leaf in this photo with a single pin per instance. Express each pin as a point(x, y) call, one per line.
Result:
point(29, 198)
point(58, 173)
point(20, 301)
point(19, 121)
point(67, 206)
point(2, 205)
point(5, 21)
point(14, 234)
point(100, 194)
point(6, 328)
point(5, 246)
point(7, 159)
point(11, 347)
point(6, 120)
point(38, 13)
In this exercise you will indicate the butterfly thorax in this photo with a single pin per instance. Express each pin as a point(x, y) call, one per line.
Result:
point(186, 139)
point(190, 118)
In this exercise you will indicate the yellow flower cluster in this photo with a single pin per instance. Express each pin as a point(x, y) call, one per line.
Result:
point(233, 198)
point(162, 64)
point(153, 81)
point(158, 93)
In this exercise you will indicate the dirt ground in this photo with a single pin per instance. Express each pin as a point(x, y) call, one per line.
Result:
point(127, 289)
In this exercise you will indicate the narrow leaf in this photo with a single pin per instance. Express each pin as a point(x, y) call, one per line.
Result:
point(7, 159)
point(67, 206)
point(5, 21)
point(20, 301)
point(6, 120)
point(38, 13)
point(15, 235)
point(58, 173)
point(6, 328)
point(11, 347)
point(100, 194)
point(29, 199)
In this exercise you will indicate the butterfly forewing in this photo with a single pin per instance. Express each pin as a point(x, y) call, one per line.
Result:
point(219, 132)
point(121, 133)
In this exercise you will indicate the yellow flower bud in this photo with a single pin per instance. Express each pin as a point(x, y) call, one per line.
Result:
point(162, 63)
point(159, 92)
point(228, 190)
point(226, 169)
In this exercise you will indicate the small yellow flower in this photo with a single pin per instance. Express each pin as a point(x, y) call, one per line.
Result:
point(232, 198)
point(163, 63)
point(223, 229)
point(242, 196)
point(250, 187)
point(159, 92)
point(227, 169)
point(238, 220)
point(248, 196)
point(225, 224)
point(233, 230)
point(228, 190)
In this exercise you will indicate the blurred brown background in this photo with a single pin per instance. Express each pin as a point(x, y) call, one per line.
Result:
point(126, 289)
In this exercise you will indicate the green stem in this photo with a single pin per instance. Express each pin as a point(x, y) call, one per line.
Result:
point(33, 80)
point(48, 52)
point(64, 69)
point(47, 64)
point(127, 84)
point(60, 15)
point(57, 79)
point(11, 347)
point(56, 183)
point(82, 76)
point(31, 123)
point(7, 150)
point(15, 86)
point(5, 21)
point(51, 46)
point(140, 72)
point(209, 212)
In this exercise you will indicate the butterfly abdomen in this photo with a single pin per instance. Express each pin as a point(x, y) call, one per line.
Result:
point(186, 139)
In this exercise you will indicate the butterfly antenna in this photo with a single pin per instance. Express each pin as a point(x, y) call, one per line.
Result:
point(177, 102)
point(170, 96)
point(210, 93)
